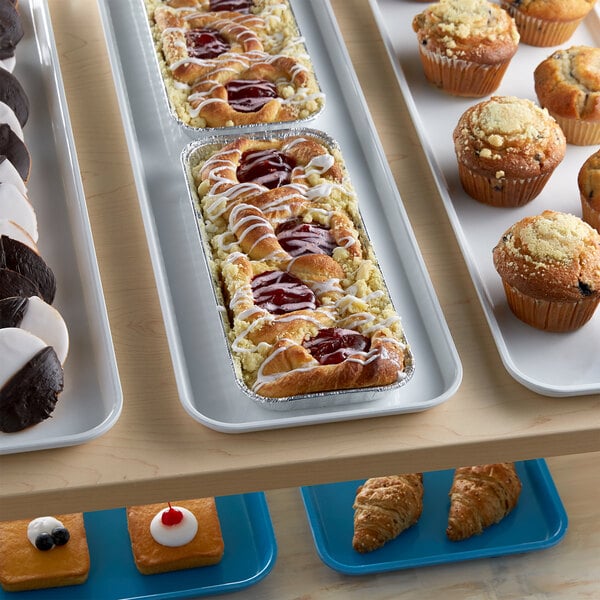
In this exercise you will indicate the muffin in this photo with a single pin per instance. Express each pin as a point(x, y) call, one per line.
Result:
point(550, 269)
point(588, 181)
point(507, 148)
point(547, 22)
point(567, 83)
point(465, 46)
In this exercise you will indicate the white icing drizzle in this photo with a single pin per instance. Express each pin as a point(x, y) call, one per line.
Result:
point(174, 535)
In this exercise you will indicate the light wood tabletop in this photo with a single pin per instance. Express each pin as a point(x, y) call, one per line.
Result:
point(155, 445)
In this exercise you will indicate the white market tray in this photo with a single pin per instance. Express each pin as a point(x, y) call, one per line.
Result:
point(552, 364)
point(204, 377)
point(92, 398)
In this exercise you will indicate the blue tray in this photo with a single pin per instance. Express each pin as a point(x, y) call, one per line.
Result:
point(538, 521)
point(250, 553)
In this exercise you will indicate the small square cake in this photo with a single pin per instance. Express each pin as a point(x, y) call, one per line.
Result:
point(56, 553)
point(168, 538)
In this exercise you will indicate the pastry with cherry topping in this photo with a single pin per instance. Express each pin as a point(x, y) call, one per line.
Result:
point(228, 63)
point(46, 552)
point(308, 309)
point(173, 537)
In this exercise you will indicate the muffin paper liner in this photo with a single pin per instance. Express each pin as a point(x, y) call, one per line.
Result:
point(550, 315)
point(540, 32)
point(588, 214)
point(460, 77)
point(579, 132)
point(501, 192)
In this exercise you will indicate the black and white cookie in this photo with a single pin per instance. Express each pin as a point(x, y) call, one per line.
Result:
point(31, 379)
point(21, 259)
point(37, 317)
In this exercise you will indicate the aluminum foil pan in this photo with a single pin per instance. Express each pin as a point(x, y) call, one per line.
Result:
point(194, 153)
point(170, 105)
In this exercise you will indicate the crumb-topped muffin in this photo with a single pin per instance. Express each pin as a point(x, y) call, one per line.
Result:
point(547, 22)
point(588, 181)
point(465, 45)
point(507, 148)
point(550, 270)
point(567, 83)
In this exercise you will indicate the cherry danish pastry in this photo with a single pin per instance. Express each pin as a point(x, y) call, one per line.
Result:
point(228, 63)
point(308, 309)
point(196, 46)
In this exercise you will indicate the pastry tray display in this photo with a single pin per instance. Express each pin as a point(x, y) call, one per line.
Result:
point(197, 152)
point(552, 364)
point(538, 521)
point(250, 553)
point(296, 49)
point(92, 398)
point(202, 367)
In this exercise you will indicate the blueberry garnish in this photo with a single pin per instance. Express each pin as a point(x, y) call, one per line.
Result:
point(44, 541)
point(60, 535)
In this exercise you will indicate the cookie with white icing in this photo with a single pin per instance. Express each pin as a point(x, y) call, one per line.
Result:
point(16, 207)
point(37, 317)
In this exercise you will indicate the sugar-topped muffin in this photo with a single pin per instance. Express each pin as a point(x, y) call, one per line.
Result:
point(465, 45)
point(567, 83)
point(547, 22)
point(507, 148)
point(550, 269)
point(588, 181)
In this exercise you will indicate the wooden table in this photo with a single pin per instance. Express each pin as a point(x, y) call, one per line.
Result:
point(155, 446)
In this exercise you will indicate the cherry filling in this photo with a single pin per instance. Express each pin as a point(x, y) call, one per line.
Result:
point(205, 43)
point(242, 6)
point(249, 95)
point(333, 345)
point(298, 238)
point(270, 168)
point(280, 293)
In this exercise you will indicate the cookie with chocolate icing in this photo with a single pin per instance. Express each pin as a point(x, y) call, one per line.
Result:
point(20, 258)
point(11, 29)
point(14, 148)
point(13, 94)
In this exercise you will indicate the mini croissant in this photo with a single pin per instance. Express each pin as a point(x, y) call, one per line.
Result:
point(384, 507)
point(481, 496)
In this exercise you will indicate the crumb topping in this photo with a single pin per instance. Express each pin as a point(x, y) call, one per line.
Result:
point(553, 236)
point(510, 134)
point(507, 119)
point(452, 21)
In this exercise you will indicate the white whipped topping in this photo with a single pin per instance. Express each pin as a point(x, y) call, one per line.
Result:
point(174, 535)
point(41, 525)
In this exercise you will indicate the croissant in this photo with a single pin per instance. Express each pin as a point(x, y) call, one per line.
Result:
point(384, 507)
point(481, 496)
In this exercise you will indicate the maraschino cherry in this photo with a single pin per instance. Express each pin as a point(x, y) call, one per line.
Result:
point(171, 516)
